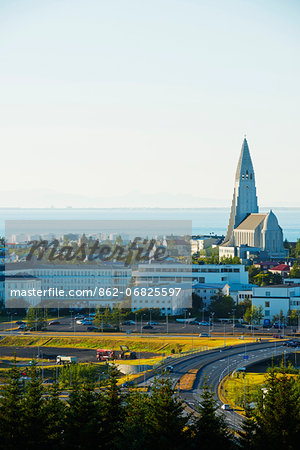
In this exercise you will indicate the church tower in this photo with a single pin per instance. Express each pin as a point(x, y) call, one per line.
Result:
point(244, 200)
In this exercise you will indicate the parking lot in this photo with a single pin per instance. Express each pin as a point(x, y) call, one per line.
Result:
point(71, 325)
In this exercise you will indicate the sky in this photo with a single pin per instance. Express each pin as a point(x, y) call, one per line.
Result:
point(138, 103)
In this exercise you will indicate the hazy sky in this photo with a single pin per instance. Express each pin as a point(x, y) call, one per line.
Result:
point(143, 101)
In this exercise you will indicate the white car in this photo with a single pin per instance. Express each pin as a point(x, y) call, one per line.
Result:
point(79, 322)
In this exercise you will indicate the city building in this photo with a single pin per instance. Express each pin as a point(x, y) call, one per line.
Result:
point(276, 298)
point(249, 232)
point(281, 269)
point(199, 243)
point(100, 285)
point(171, 299)
point(174, 272)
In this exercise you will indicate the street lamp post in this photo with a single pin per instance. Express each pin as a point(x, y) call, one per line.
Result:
point(233, 311)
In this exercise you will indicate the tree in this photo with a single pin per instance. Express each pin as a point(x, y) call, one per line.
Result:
point(113, 413)
point(55, 413)
point(34, 415)
point(242, 307)
point(11, 411)
point(209, 430)
point(83, 419)
point(166, 419)
point(197, 303)
point(136, 433)
point(277, 414)
point(295, 270)
point(254, 314)
point(252, 272)
point(221, 305)
point(36, 318)
point(247, 434)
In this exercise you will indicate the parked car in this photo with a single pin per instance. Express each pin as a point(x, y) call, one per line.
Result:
point(86, 322)
point(20, 322)
point(251, 327)
point(78, 317)
point(92, 328)
point(54, 322)
point(147, 327)
point(22, 327)
point(169, 369)
point(129, 322)
point(239, 325)
point(152, 323)
point(204, 335)
point(79, 322)
point(203, 323)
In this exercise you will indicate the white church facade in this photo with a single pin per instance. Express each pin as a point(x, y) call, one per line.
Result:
point(249, 232)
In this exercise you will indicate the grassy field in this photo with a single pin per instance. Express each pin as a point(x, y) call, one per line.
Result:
point(234, 388)
point(163, 345)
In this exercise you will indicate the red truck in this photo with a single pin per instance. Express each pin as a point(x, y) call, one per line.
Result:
point(105, 354)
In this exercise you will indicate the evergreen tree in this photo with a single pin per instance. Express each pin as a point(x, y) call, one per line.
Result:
point(82, 419)
point(209, 429)
point(277, 414)
point(136, 432)
point(11, 413)
point(34, 417)
point(113, 413)
point(167, 422)
point(249, 429)
point(55, 412)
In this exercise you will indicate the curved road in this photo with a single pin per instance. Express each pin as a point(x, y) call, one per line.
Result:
point(216, 364)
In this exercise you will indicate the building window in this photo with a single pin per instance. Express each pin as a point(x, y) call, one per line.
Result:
point(267, 304)
point(267, 313)
point(268, 293)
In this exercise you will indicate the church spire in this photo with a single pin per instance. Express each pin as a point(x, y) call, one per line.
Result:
point(244, 200)
point(245, 162)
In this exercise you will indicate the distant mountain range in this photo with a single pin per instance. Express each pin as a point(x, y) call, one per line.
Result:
point(47, 198)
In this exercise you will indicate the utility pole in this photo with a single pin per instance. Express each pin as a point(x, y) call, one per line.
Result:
point(233, 311)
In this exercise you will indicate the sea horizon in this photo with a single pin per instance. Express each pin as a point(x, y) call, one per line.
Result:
point(205, 220)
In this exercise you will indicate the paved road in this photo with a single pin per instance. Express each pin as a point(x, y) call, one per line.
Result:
point(215, 365)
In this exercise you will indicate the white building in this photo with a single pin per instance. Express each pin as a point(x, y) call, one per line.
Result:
point(202, 243)
point(239, 292)
point(155, 273)
point(100, 285)
point(17, 287)
point(206, 291)
point(291, 280)
point(171, 299)
point(276, 298)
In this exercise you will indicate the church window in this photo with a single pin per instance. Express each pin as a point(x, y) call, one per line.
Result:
point(250, 176)
point(243, 176)
point(247, 174)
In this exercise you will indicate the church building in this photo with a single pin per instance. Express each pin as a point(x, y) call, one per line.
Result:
point(249, 232)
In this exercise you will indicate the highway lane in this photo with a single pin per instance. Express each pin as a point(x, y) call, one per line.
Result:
point(216, 364)
point(214, 371)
